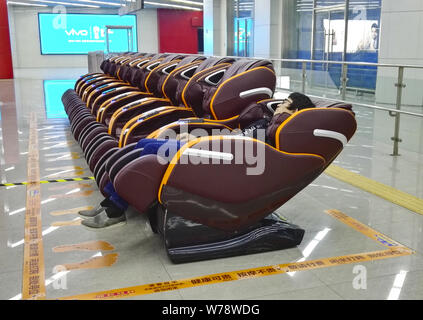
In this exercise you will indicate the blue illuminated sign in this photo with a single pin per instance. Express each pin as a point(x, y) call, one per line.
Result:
point(53, 92)
point(81, 33)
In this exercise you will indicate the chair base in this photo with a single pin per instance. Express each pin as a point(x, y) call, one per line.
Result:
point(187, 241)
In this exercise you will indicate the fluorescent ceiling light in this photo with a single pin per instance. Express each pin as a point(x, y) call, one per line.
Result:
point(101, 2)
point(66, 4)
point(188, 2)
point(171, 5)
point(27, 4)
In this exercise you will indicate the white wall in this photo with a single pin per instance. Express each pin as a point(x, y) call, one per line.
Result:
point(268, 29)
point(401, 42)
point(148, 34)
point(215, 27)
point(26, 44)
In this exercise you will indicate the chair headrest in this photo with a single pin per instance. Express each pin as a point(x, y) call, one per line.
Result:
point(243, 65)
point(324, 103)
point(210, 62)
point(319, 131)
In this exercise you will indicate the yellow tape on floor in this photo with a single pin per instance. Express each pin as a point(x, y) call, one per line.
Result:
point(33, 276)
point(45, 181)
point(363, 229)
point(393, 195)
point(395, 250)
point(238, 275)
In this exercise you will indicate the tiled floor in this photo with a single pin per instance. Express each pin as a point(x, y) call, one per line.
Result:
point(141, 255)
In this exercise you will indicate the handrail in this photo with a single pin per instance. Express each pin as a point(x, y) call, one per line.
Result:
point(371, 106)
point(400, 85)
point(371, 64)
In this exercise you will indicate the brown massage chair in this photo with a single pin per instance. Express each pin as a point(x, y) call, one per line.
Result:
point(214, 196)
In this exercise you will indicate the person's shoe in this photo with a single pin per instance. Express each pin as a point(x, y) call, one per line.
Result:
point(91, 213)
point(102, 221)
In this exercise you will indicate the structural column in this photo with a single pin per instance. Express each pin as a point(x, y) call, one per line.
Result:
point(215, 27)
point(273, 36)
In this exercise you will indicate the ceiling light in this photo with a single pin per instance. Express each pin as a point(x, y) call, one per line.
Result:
point(171, 5)
point(188, 2)
point(66, 3)
point(27, 4)
point(101, 2)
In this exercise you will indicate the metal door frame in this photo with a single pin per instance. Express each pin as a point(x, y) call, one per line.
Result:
point(330, 9)
point(129, 32)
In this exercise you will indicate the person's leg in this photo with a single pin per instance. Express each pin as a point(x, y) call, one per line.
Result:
point(95, 211)
point(107, 203)
point(111, 210)
point(111, 215)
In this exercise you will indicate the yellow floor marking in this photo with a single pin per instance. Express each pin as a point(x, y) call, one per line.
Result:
point(362, 228)
point(66, 223)
point(46, 181)
point(86, 246)
point(70, 211)
point(391, 194)
point(33, 277)
point(237, 275)
point(395, 251)
point(93, 263)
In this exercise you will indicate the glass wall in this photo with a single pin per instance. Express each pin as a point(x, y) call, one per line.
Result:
point(243, 26)
point(337, 30)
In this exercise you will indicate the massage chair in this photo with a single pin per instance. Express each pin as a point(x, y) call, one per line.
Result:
point(136, 120)
point(204, 202)
point(206, 198)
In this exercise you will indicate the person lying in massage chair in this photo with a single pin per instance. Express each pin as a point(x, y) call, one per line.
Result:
point(111, 211)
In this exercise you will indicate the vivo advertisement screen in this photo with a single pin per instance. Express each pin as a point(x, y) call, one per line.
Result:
point(81, 33)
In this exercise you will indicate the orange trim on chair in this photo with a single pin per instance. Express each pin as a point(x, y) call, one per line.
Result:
point(156, 133)
point(110, 99)
point(278, 131)
point(158, 67)
point(201, 72)
point(134, 124)
point(118, 111)
point(173, 162)
point(84, 83)
point(95, 85)
point(108, 103)
point(103, 89)
point(178, 155)
point(230, 79)
point(175, 71)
